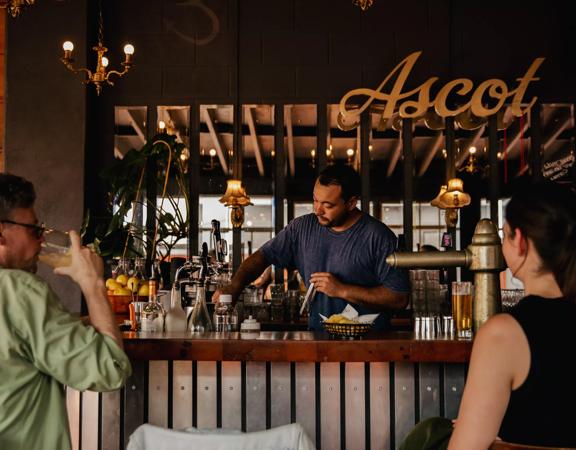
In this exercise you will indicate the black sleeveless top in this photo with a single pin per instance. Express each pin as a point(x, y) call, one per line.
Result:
point(542, 411)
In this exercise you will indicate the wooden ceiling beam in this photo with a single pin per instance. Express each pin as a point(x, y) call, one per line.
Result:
point(255, 142)
point(209, 117)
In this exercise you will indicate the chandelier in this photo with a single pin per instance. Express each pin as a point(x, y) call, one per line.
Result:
point(15, 7)
point(100, 76)
point(363, 4)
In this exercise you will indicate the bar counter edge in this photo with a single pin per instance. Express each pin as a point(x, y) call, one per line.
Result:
point(303, 346)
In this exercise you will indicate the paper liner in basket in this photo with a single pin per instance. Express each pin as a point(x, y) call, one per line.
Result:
point(350, 313)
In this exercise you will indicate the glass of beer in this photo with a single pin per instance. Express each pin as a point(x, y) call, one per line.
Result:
point(56, 249)
point(462, 307)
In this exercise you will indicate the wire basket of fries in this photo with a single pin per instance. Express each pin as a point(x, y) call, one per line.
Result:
point(341, 328)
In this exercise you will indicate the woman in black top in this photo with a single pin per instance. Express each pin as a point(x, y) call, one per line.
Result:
point(520, 384)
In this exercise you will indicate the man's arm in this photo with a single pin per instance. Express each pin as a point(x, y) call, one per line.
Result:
point(248, 271)
point(87, 269)
point(378, 297)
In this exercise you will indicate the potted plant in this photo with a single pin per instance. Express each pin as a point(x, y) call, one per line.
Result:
point(124, 233)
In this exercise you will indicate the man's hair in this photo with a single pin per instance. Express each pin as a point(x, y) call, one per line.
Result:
point(15, 192)
point(345, 177)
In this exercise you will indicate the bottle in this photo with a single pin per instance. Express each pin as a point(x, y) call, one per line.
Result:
point(225, 315)
point(175, 319)
point(153, 313)
point(199, 318)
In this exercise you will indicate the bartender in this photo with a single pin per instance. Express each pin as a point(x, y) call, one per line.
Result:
point(340, 249)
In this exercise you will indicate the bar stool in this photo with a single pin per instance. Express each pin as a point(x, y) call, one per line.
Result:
point(501, 445)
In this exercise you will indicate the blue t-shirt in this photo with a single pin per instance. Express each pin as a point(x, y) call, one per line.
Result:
point(355, 256)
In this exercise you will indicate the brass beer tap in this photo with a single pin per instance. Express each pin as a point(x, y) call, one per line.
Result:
point(483, 257)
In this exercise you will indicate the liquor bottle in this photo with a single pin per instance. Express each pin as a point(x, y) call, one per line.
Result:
point(199, 318)
point(153, 313)
point(175, 317)
point(225, 315)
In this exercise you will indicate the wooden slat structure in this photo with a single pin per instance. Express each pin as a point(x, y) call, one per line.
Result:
point(252, 384)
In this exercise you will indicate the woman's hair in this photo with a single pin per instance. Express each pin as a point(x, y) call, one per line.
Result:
point(546, 214)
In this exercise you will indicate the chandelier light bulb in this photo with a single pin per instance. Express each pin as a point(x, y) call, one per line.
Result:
point(350, 152)
point(472, 150)
point(313, 153)
point(161, 125)
point(68, 46)
point(129, 49)
point(105, 61)
point(212, 152)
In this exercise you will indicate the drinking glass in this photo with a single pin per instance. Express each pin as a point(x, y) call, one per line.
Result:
point(462, 307)
point(56, 249)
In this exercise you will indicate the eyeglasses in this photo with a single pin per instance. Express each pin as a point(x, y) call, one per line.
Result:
point(37, 229)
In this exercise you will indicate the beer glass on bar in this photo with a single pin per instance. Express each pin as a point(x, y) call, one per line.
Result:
point(462, 307)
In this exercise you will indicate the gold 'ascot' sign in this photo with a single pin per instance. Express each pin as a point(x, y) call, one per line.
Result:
point(495, 88)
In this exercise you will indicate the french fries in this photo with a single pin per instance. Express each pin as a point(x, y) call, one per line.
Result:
point(339, 318)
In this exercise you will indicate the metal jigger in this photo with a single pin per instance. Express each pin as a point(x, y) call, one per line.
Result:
point(483, 257)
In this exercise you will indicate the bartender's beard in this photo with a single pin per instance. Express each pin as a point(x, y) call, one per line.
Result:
point(336, 221)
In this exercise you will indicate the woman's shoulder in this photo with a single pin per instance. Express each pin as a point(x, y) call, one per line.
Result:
point(500, 330)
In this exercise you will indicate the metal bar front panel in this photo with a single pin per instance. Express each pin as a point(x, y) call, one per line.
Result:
point(182, 395)
point(280, 394)
point(255, 396)
point(380, 405)
point(330, 405)
point(429, 390)
point(110, 420)
point(355, 406)
point(90, 416)
point(231, 395)
point(453, 388)
point(74, 416)
point(305, 398)
point(158, 393)
point(206, 407)
point(404, 400)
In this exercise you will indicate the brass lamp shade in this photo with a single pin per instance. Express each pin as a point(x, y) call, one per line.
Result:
point(455, 197)
point(236, 198)
point(235, 194)
point(436, 202)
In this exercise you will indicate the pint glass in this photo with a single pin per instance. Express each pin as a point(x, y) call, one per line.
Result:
point(462, 307)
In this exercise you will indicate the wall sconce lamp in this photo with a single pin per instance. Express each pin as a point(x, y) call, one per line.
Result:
point(100, 75)
point(451, 198)
point(15, 7)
point(236, 199)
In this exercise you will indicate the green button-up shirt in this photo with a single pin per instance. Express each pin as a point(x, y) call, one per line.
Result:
point(42, 348)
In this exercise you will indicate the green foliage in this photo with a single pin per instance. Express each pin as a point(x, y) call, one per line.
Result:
point(126, 185)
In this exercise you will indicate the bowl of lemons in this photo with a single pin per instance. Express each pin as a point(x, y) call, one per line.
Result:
point(123, 289)
point(342, 327)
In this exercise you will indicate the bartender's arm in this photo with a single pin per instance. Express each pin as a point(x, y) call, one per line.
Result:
point(248, 271)
point(378, 297)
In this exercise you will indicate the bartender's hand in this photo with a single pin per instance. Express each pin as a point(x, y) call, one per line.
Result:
point(327, 283)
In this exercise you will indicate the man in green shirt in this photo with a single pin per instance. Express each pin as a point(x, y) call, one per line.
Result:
point(42, 346)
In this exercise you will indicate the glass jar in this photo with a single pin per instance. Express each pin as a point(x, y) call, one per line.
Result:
point(225, 315)
point(153, 313)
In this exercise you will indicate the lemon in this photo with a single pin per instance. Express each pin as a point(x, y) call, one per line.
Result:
point(122, 291)
point(133, 283)
point(111, 284)
point(143, 291)
point(122, 279)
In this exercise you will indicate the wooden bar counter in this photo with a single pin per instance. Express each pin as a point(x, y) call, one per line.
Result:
point(294, 346)
point(348, 394)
